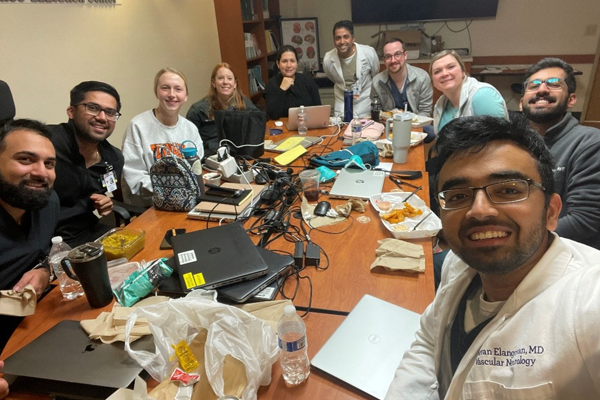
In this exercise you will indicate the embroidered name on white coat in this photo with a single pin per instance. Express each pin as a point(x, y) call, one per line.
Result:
point(500, 357)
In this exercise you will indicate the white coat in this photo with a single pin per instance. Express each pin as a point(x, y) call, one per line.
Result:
point(367, 66)
point(542, 344)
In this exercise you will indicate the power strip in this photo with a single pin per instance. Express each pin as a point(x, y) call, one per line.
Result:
point(227, 167)
point(246, 177)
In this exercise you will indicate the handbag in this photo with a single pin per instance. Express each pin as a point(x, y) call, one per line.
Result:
point(174, 185)
point(244, 131)
point(367, 151)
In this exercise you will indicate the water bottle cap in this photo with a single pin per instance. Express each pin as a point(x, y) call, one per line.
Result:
point(189, 152)
point(289, 310)
point(57, 239)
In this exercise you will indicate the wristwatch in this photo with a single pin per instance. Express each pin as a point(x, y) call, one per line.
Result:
point(45, 263)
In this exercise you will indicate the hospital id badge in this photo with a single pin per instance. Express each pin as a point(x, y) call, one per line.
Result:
point(109, 181)
point(356, 89)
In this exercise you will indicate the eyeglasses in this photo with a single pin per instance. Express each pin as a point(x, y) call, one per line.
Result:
point(396, 55)
point(512, 191)
point(551, 83)
point(94, 109)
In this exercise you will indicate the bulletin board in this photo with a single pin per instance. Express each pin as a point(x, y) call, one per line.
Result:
point(303, 35)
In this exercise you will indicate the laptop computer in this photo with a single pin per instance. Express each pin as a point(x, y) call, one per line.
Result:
point(64, 361)
point(317, 117)
point(354, 182)
point(215, 257)
point(241, 292)
point(367, 347)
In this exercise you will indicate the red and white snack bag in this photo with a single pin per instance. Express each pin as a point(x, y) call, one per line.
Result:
point(183, 377)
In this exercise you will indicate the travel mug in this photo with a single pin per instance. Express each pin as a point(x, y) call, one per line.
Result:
point(89, 268)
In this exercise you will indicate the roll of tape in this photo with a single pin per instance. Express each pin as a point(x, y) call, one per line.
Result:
point(214, 178)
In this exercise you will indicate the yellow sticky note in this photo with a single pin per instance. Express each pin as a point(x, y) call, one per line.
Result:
point(290, 143)
point(199, 279)
point(290, 155)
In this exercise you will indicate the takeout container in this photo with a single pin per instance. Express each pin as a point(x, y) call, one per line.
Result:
point(416, 138)
point(428, 228)
point(122, 242)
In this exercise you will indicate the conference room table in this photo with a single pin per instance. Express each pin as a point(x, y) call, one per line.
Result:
point(350, 248)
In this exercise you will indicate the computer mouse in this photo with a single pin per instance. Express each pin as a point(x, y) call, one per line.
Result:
point(261, 177)
point(322, 208)
point(278, 123)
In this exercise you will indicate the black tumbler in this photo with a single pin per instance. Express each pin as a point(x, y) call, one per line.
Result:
point(89, 268)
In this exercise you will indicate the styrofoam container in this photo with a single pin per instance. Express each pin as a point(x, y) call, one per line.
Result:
point(430, 227)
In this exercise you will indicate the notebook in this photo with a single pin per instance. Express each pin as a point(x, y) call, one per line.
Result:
point(215, 257)
point(64, 361)
point(367, 347)
point(207, 206)
point(241, 292)
point(287, 144)
point(317, 117)
point(354, 182)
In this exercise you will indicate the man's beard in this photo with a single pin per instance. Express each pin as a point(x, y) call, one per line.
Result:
point(20, 196)
point(546, 115)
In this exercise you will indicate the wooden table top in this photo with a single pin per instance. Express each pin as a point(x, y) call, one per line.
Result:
point(336, 289)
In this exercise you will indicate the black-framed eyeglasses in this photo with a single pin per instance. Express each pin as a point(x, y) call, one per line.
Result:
point(511, 191)
point(94, 109)
point(532, 85)
point(396, 55)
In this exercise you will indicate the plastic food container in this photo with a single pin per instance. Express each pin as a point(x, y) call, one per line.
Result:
point(122, 242)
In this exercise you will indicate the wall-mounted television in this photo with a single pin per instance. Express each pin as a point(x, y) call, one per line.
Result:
point(394, 11)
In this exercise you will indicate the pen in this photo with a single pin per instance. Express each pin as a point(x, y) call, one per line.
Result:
point(173, 232)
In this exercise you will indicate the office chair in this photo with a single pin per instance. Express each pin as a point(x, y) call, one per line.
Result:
point(7, 103)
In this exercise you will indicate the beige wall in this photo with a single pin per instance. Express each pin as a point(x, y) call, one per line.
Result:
point(48, 48)
point(521, 27)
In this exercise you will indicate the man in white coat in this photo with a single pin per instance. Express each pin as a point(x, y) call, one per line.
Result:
point(351, 66)
point(518, 309)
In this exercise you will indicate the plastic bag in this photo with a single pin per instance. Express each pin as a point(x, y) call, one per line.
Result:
point(230, 331)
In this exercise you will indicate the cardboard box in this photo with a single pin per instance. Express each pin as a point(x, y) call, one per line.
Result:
point(411, 39)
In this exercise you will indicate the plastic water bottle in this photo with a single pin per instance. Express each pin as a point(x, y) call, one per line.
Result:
point(375, 108)
point(70, 289)
point(356, 130)
point(191, 156)
point(293, 347)
point(302, 127)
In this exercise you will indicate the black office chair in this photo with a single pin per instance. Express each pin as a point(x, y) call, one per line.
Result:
point(7, 103)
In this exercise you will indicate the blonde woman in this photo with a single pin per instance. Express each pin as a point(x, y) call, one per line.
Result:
point(462, 96)
point(160, 126)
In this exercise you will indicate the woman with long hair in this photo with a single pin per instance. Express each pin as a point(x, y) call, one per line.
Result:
point(223, 94)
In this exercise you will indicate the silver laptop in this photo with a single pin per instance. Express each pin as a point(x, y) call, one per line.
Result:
point(64, 361)
point(304, 141)
point(356, 183)
point(366, 349)
point(317, 117)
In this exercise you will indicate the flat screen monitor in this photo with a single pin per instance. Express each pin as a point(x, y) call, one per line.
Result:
point(387, 11)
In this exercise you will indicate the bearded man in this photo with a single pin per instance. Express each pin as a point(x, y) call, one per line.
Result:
point(548, 94)
point(29, 210)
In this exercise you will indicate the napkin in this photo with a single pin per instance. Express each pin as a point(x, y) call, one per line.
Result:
point(18, 304)
point(308, 214)
point(109, 327)
point(394, 254)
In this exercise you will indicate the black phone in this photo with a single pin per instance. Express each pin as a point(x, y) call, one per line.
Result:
point(166, 242)
point(214, 190)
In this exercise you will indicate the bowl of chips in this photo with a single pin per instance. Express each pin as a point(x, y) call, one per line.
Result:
point(404, 216)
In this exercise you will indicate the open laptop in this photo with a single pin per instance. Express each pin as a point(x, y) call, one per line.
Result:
point(367, 347)
point(317, 117)
point(215, 257)
point(64, 361)
point(357, 183)
point(241, 292)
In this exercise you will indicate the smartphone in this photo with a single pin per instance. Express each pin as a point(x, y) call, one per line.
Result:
point(213, 190)
point(166, 242)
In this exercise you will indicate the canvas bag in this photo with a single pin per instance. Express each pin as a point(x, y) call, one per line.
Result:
point(367, 151)
point(174, 185)
point(243, 128)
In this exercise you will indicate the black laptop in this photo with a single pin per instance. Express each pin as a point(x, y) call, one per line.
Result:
point(215, 257)
point(278, 265)
point(64, 361)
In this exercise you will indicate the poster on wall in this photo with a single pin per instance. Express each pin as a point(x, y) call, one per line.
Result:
point(303, 35)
